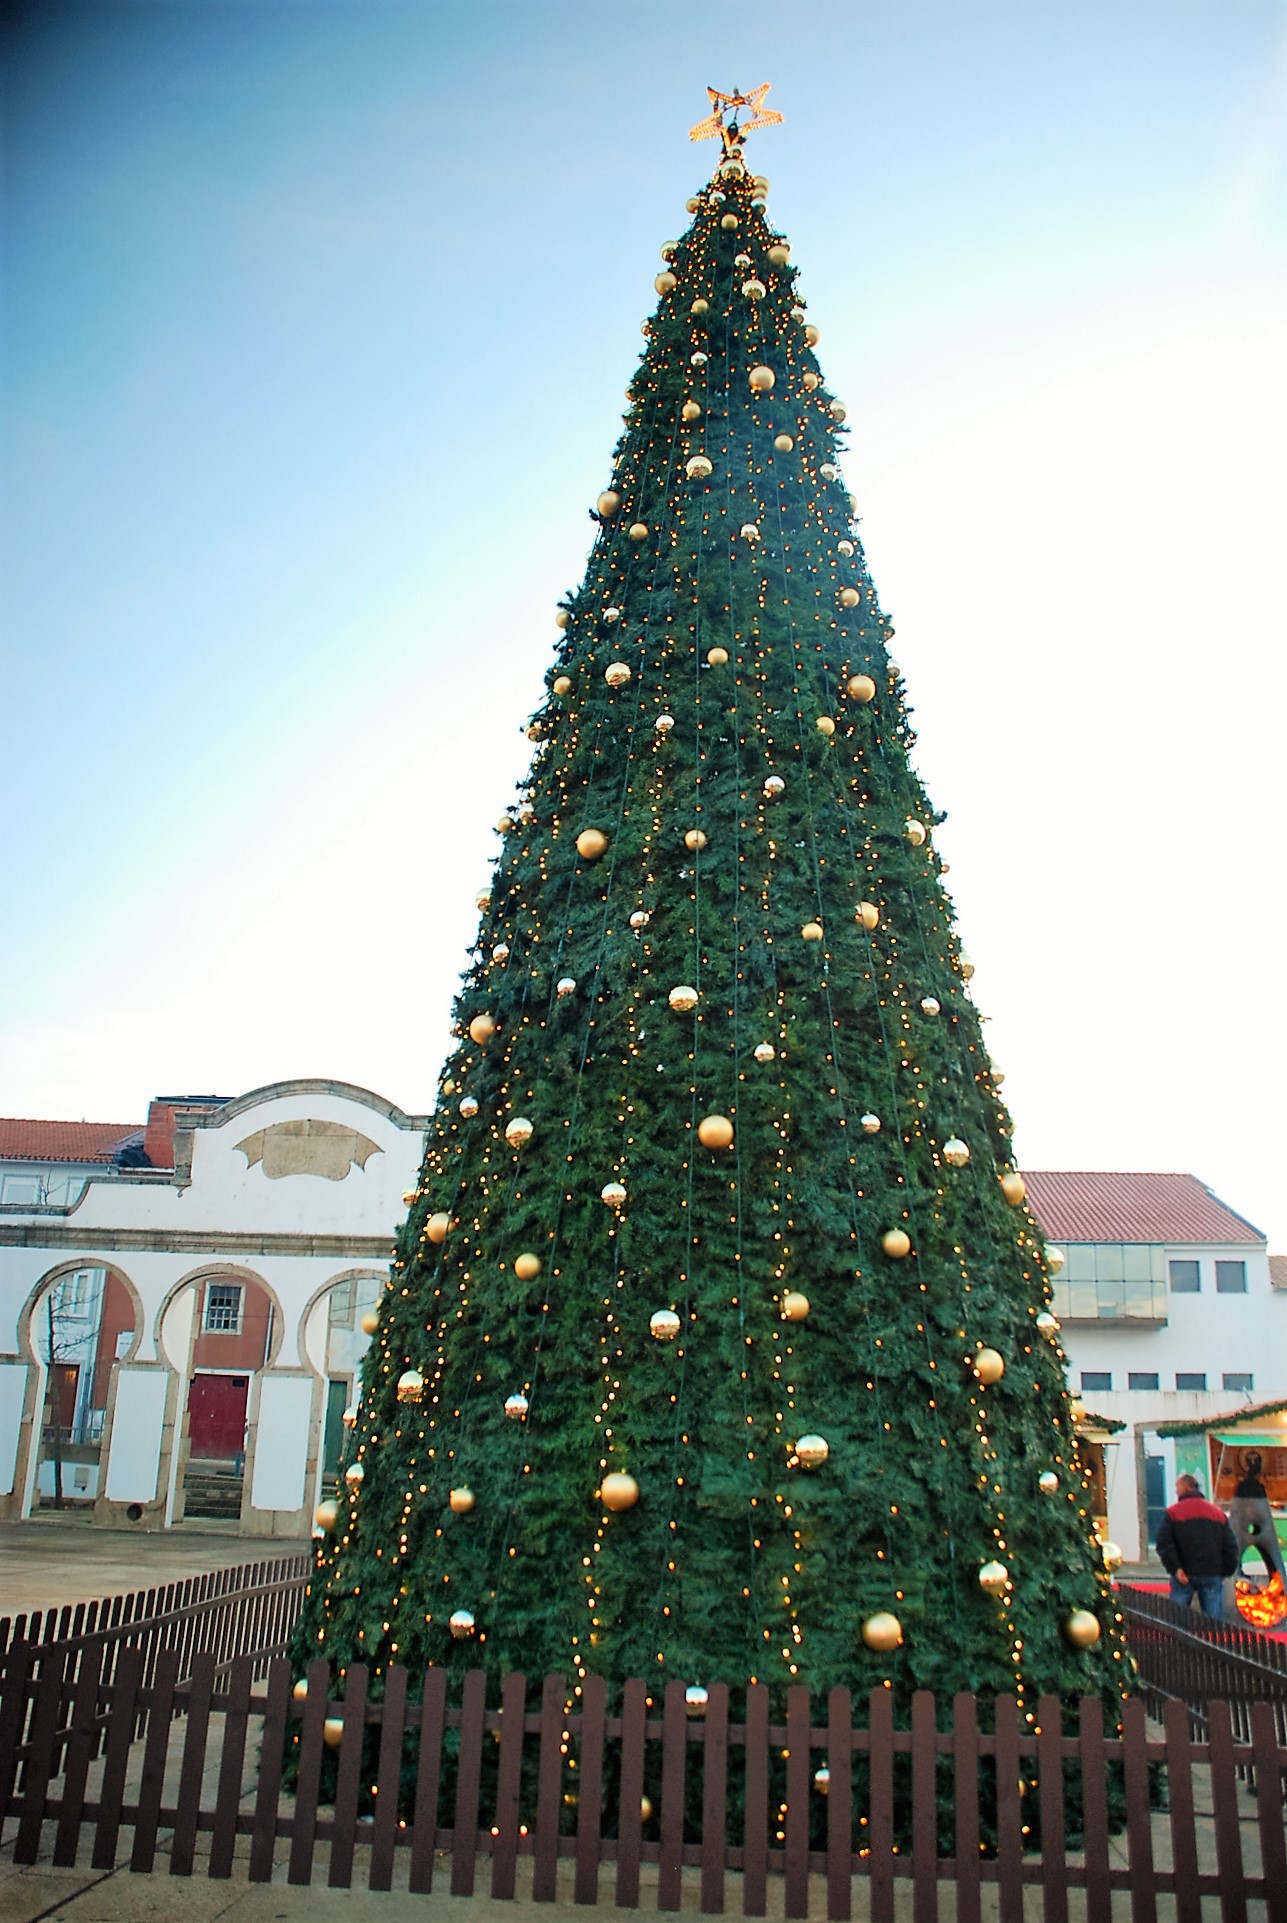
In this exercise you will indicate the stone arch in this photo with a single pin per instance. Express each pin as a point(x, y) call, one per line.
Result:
point(216, 1371)
point(73, 1363)
point(332, 1347)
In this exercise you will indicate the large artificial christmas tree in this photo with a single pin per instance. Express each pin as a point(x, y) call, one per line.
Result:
point(717, 1341)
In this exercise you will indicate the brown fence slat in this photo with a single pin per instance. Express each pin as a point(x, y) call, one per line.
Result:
point(464, 1848)
point(183, 1844)
point(589, 1809)
point(965, 1771)
point(549, 1791)
point(924, 1810)
point(795, 1893)
point(271, 1757)
point(1139, 1822)
point(80, 1749)
point(840, 1805)
point(159, 1714)
point(1184, 1842)
point(384, 1833)
point(1050, 1793)
point(755, 1835)
point(1009, 1810)
point(116, 1760)
point(1271, 1810)
point(1224, 1801)
point(634, 1712)
point(42, 1741)
point(715, 1801)
point(232, 1757)
point(509, 1778)
point(881, 1815)
point(424, 1827)
point(312, 1739)
point(1094, 1802)
point(674, 1744)
point(19, 1663)
point(348, 1784)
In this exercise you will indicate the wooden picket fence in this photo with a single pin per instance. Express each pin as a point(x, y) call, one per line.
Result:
point(549, 1776)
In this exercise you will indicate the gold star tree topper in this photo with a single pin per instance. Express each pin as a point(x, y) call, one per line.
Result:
point(735, 132)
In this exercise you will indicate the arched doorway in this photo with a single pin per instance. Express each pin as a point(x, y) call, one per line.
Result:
point(219, 1329)
point(335, 1343)
point(84, 1319)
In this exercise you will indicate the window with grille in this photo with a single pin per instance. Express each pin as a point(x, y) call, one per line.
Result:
point(223, 1308)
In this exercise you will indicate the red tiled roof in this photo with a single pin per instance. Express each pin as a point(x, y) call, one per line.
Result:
point(1278, 1271)
point(1094, 1206)
point(22, 1141)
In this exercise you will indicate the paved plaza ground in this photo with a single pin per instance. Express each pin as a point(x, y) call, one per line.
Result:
point(51, 1560)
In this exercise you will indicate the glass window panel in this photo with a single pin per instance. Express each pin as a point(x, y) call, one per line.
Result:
point(1231, 1278)
point(1108, 1261)
point(1189, 1379)
point(1143, 1379)
point(1136, 1265)
point(1238, 1379)
point(1186, 1278)
point(1096, 1379)
point(1081, 1262)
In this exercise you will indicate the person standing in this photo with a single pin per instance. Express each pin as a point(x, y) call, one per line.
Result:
point(1197, 1549)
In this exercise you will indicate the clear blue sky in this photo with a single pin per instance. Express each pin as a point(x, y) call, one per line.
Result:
point(317, 319)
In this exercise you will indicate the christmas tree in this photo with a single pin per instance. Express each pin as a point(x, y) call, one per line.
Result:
point(717, 1341)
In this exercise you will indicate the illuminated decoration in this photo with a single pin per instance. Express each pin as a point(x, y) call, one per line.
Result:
point(368, 1322)
point(326, 1515)
point(914, 831)
point(614, 1194)
point(664, 1325)
point(690, 411)
point(1013, 1187)
point(882, 1631)
point(608, 504)
point(761, 380)
point(783, 443)
point(698, 468)
point(481, 1028)
point(516, 1407)
point(733, 133)
point(988, 1365)
point(665, 283)
point(438, 1224)
point(1113, 1557)
point(994, 1577)
point(640, 918)
point(812, 931)
point(461, 1624)
point(411, 1385)
point(774, 786)
point(1055, 1258)
point(333, 1731)
point(825, 725)
point(565, 986)
point(956, 1153)
point(518, 1131)
point(715, 1131)
point(795, 1306)
point(812, 1451)
point(618, 1492)
point(461, 1500)
point(561, 684)
point(616, 674)
point(527, 1266)
point(683, 998)
point(638, 531)
point(591, 843)
point(1048, 1324)
point(467, 1107)
point(862, 688)
point(822, 1780)
point(354, 1474)
point(1083, 1629)
point(695, 1700)
point(765, 1052)
point(896, 1242)
point(716, 657)
point(1263, 1608)
point(870, 1124)
point(664, 723)
point(695, 838)
point(1048, 1482)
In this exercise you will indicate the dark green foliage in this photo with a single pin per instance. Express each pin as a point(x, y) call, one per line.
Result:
point(735, 1563)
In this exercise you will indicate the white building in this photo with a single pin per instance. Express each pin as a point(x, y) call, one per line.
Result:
point(1172, 1313)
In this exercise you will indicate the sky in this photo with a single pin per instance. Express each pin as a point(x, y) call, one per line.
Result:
point(317, 319)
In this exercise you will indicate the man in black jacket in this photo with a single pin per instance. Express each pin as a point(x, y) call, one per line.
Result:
point(1197, 1548)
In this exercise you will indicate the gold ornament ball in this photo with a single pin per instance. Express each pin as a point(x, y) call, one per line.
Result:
point(300, 1690)
point(461, 1624)
point(1083, 1629)
point(760, 182)
point(699, 468)
point(812, 381)
point(518, 1131)
point(829, 471)
point(882, 1632)
point(516, 1407)
point(698, 359)
point(775, 785)
point(1112, 1554)
point(645, 1807)
point(350, 1416)
point(640, 918)
point(1077, 1409)
point(613, 1194)
point(437, 1225)
point(608, 503)
point(565, 986)
point(695, 838)
point(998, 1076)
point(461, 1500)
point(700, 306)
point(795, 1306)
point(849, 597)
point(663, 1325)
point(762, 380)
point(868, 914)
point(663, 724)
point(896, 1242)
point(500, 954)
point(812, 931)
point(956, 1153)
point(715, 1131)
point(728, 222)
point(862, 687)
point(354, 1474)
point(481, 1029)
point(483, 901)
point(563, 619)
point(783, 443)
point(326, 1515)
point(780, 253)
point(665, 283)
point(838, 411)
point(765, 1052)
point(616, 674)
point(369, 1322)
point(716, 657)
point(994, 1577)
point(612, 616)
point(562, 684)
point(870, 1124)
point(690, 411)
point(930, 1005)
point(590, 843)
point(411, 1385)
point(638, 530)
point(812, 1451)
point(408, 1197)
point(333, 1731)
point(914, 832)
point(822, 1780)
point(1055, 1258)
point(527, 1266)
point(967, 967)
point(825, 725)
point(988, 1365)
point(695, 1700)
point(845, 547)
point(1048, 1324)
point(1048, 1482)
point(618, 1491)
point(812, 336)
point(1013, 1187)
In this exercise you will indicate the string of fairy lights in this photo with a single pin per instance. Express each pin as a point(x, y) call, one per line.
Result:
point(642, 618)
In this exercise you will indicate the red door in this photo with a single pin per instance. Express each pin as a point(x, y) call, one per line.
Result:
point(217, 1416)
